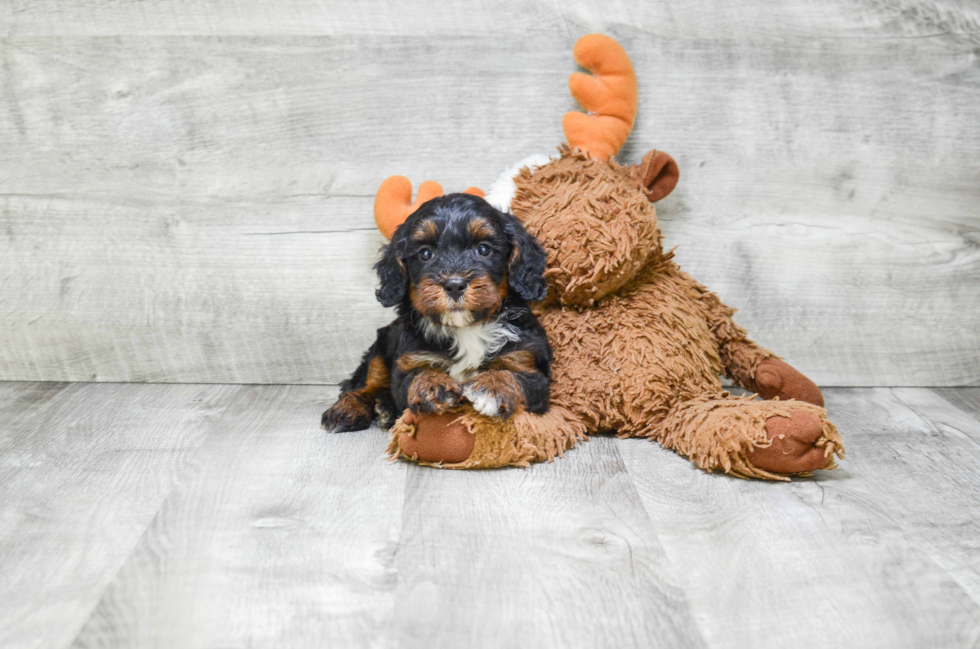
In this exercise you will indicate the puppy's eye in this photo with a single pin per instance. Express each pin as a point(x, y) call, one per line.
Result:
point(425, 254)
point(483, 249)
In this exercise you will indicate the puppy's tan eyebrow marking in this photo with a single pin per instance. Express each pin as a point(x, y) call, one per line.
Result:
point(427, 231)
point(479, 228)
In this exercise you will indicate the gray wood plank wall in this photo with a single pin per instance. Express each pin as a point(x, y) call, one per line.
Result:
point(185, 191)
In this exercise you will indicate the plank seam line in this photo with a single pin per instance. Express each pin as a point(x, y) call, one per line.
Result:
point(129, 553)
point(931, 422)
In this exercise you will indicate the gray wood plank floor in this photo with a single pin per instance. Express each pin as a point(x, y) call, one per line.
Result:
point(221, 516)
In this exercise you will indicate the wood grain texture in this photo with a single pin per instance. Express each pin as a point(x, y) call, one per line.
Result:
point(708, 19)
point(83, 470)
point(565, 556)
point(950, 448)
point(880, 553)
point(830, 183)
point(212, 293)
point(966, 402)
point(278, 535)
point(204, 516)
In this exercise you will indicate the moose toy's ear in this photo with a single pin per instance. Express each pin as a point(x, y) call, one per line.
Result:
point(391, 271)
point(525, 270)
point(657, 174)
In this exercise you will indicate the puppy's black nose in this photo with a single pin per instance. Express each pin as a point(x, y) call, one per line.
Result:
point(455, 287)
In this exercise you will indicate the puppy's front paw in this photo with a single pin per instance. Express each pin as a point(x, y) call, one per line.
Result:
point(433, 393)
point(349, 413)
point(494, 394)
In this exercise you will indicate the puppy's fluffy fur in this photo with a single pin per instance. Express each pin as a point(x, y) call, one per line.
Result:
point(461, 274)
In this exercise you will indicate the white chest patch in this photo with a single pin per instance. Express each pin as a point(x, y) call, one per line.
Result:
point(472, 344)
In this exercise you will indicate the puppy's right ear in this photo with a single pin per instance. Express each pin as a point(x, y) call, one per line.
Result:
point(391, 271)
point(527, 261)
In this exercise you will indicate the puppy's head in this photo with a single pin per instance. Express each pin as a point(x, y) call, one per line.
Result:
point(455, 259)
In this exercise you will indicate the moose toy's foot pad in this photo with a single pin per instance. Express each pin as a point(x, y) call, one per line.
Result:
point(437, 438)
point(793, 444)
point(750, 437)
point(465, 439)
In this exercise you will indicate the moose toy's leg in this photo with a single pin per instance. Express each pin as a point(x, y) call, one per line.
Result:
point(752, 366)
point(465, 439)
point(755, 368)
point(774, 378)
point(752, 438)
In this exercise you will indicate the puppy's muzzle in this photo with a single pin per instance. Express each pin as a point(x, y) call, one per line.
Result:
point(455, 288)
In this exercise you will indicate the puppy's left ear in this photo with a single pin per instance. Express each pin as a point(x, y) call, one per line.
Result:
point(528, 259)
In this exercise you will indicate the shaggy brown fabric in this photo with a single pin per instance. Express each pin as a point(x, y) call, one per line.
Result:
point(597, 229)
point(720, 432)
point(621, 364)
point(739, 355)
point(639, 345)
point(640, 351)
point(518, 441)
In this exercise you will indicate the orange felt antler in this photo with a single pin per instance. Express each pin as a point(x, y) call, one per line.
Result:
point(608, 96)
point(393, 202)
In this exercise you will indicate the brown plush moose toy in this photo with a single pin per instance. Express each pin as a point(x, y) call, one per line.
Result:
point(639, 345)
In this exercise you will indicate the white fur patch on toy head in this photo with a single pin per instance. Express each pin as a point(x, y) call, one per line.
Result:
point(501, 192)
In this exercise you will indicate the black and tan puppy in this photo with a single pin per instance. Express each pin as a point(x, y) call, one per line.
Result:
point(461, 274)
